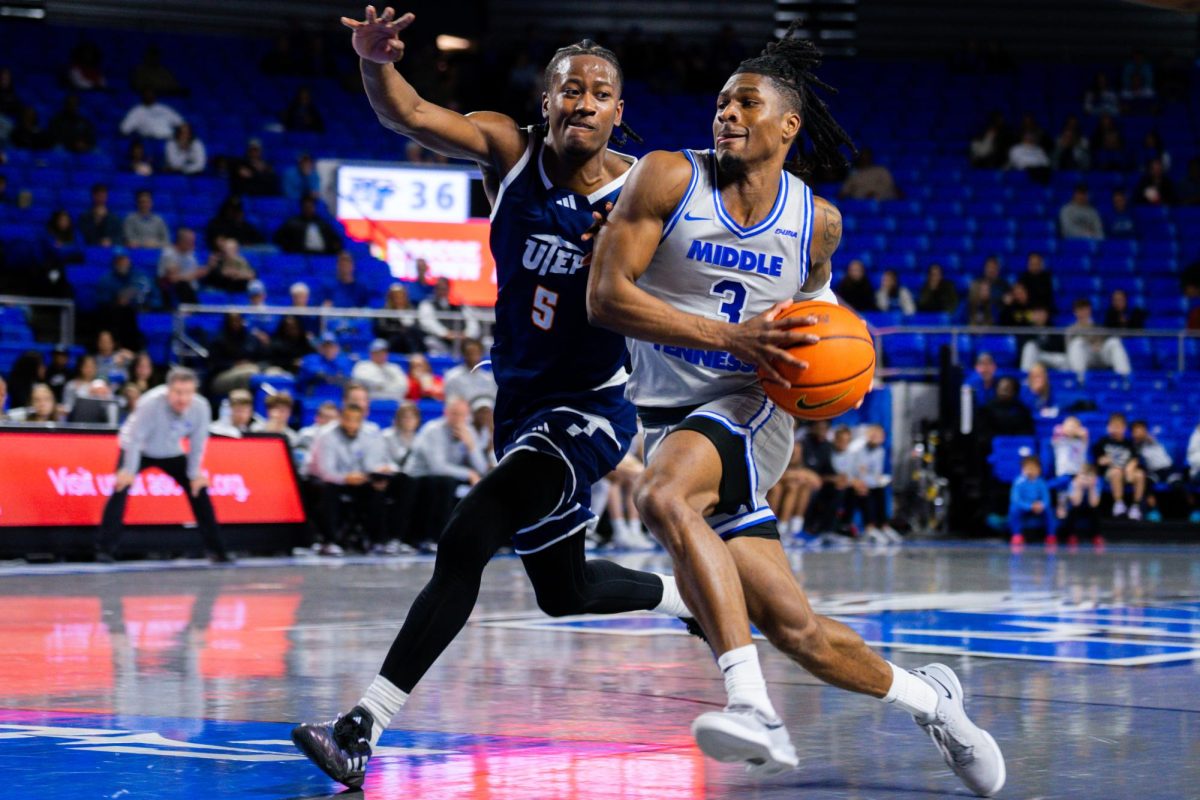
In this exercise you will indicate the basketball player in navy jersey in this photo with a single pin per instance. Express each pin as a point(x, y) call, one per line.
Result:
point(562, 421)
point(702, 251)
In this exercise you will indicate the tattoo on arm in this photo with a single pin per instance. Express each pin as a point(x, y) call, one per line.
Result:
point(832, 234)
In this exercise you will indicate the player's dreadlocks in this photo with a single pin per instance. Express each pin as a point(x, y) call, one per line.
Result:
point(587, 47)
point(789, 63)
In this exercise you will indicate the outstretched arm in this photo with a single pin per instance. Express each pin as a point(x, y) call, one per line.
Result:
point(491, 139)
point(623, 251)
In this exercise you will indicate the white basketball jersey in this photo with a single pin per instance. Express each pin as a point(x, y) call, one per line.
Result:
point(708, 265)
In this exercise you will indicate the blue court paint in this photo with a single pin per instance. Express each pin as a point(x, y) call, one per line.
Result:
point(1036, 627)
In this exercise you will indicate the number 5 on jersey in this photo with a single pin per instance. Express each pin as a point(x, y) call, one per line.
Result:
point(544, 303)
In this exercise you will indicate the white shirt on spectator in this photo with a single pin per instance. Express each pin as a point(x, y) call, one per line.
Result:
point(156, 121)
point(1027, 156)
point(189, 160)
point(382, 380)
point(470, 384)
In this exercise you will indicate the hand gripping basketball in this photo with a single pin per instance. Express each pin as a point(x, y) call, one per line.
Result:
point(768, 341)
point(377, 38)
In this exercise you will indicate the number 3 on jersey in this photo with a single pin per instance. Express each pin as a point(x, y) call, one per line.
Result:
point(734, 294)
point(544, 303)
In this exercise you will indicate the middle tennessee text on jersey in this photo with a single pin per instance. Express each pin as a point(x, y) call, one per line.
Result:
point(543, 342)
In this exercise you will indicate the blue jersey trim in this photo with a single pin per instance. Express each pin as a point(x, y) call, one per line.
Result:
point(687, 196)
point(737, 230)
point(806, 244)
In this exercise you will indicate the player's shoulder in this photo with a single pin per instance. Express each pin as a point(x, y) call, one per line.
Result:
point(660, 178)
point(507, 140)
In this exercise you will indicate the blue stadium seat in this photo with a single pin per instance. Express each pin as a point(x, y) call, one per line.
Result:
point(1007, 452)
point(1003, 348)
point(901, 350)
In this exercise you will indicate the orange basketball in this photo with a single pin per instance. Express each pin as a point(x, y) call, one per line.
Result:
point(840, 367)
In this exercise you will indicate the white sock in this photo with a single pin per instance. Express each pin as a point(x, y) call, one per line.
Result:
point(744, 681)
point(672, 601)
point(620, 529)
point(797, 525)
point(384, 700)
point(911, 694)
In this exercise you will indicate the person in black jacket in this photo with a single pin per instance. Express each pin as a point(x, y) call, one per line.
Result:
point(855, 288)
point(230, 223)
point(1120, 315)
point(308, 233)
point(1005, 414)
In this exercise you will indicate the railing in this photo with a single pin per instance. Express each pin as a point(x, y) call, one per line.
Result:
point(66, 312)
point(954, 332)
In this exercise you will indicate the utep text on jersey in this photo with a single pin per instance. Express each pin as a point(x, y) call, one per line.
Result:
point(543, 342)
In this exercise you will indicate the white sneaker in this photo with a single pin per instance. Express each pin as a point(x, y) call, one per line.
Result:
point(742, 733)
point(892, 534)
point(1135, 511)
point(627, 537)
point(969, 750)
point(875, 536)
point(1119, 508)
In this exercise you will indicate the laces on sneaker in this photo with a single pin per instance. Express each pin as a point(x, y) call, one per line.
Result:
point(353, 733)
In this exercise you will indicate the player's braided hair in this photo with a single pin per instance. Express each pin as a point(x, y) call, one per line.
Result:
point(789, 63)
point(586, 47)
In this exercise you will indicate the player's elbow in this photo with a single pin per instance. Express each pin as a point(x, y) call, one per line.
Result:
point(602, 305)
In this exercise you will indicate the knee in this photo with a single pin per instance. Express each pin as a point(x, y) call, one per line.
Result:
point(801, 638)
point(663, 510)
point(559, 602)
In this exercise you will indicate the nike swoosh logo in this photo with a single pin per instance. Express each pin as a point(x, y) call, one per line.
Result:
point(731, 666)
point(803, 404)
point(945, 688)
point(690, 218)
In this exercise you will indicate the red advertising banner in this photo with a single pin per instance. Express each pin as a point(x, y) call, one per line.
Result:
point(458, 251)
point(50, 478)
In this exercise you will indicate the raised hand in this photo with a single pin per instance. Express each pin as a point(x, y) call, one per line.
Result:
point(377, 38)
point(764, 340)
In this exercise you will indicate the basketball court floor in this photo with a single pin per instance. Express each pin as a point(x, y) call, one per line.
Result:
point(182, 680)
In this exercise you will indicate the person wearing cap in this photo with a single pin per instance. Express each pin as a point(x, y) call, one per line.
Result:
point(260, 324)
point(328, 366)
point(346, 291)
point(381, 377)
point(241, 417)
point(471, 379)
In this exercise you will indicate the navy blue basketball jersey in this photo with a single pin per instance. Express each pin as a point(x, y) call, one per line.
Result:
point(543, 342)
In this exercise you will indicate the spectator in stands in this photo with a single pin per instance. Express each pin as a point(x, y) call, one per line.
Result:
point(42, 407)
point(1121, 224)
point(1049, 349)
point(85, 70)
point(1028, 156)
point(300, 296)
point(328, 366)
point(228, 269)
point(1079, 507)
point(1037, 280)
point(855, 288)
point(1071, 150)
point(241, 417)
point(1137, 78)
point(817, 452)
point(1014, 311)
point(445, 323)
point(1152, 148)
point(868, 180)
point(400, 329)
point(1188, 190)
point(230, 223)
point(379, 375)
point(234, 355)
point(982, 381)
point(152, 75)
point(98, 226)
point(1115, 457)
point(1108, 147)
point(986, 294)
point(85, 373)
point(1155, 461)
point(29, 134)
point(422, 382)
point(448, 448)
point(121, 294)
point(28, 369)
point(1089, 351)
point(289, 345)
point(1120, 315)
point(112, 361)
point(260, 323)
point(937, 294)
point(10, 101)
point(70, 129)
point(1069, 442)
point(791, 496)
point(483, 422)
point(151, 119)
point(470, 380)
point(179, 273)
point(142, 373)
point(138, 160)
point(185, 153)
point(279, 411)
point(849, 492)
point(302, 114)
point(301, 180)
point(869, 471)
point(422, 286)
point(144, 228)
point(307, 232)
point(1155, 188)
point(357, 393)
point(398, 439)
point(1193, 461)
point(59, 371)
point(1100, 99)
point(1036, 394)
point(344, 458)
point(1079, 219)
point(252, 174)
point(327, 414)
point(346, 291)
point(1005, 414)
point(989, 150)
point(62, 238)
point(1029, 507)
point(892, 296)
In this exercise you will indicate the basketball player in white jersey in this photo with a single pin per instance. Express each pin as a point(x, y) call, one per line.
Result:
point(702, 252)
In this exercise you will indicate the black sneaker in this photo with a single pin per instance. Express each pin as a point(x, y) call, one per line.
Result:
point(341, 747)
point(694, 628)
